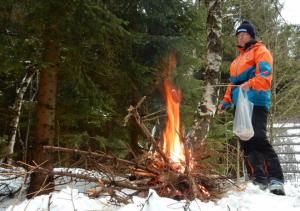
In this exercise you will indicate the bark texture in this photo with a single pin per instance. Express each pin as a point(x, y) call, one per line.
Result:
point(207, 107)
point(45, 122)
point(16, 110)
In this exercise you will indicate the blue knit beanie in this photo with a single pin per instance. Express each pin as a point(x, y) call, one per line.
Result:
point(246, 26)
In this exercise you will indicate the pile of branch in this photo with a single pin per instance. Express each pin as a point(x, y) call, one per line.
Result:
point(151, 171)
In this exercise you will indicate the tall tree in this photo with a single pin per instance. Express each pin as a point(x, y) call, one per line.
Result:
point(16, 109)
point(207, 107)
point(45, 115)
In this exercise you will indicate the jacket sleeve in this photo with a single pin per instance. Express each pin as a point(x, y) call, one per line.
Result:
point(227, 97)
point(264, 68)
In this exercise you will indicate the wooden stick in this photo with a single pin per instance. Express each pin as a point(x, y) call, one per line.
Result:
point(154, 113)
point(134, 113)
point(98, 155)
point(87, 178)
point(153, 118)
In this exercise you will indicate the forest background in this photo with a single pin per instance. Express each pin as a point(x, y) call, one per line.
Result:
point(70, 69)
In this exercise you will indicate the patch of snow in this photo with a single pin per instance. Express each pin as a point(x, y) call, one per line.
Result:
point(252, 198)
point(248, 199)
point(80, 184)
point(66, 199)
point(11, 179)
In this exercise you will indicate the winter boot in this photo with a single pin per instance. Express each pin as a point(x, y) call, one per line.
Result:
point(276, 187)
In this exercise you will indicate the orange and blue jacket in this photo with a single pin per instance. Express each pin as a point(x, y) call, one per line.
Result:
point(254, 65)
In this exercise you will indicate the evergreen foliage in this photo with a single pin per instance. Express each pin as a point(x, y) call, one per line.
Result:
point(110, 56)
point(111, 53)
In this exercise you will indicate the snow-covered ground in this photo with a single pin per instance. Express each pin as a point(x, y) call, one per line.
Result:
point(251, 198)
point(71, 196)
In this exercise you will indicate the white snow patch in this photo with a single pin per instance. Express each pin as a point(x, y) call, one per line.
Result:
point(251, 198)
point(66, 199)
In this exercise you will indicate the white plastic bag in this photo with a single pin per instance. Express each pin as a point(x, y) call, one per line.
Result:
point(242, 124)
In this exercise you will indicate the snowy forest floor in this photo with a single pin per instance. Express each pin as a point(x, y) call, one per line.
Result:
point(72, 197)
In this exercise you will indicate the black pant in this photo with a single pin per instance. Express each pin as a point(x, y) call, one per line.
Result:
point(261, 160)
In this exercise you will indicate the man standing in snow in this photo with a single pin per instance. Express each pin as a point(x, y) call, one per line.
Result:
point(252, 70)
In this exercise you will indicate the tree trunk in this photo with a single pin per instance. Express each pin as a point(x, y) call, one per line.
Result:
point(207, 107)
point(45, 122)
point(16, 110)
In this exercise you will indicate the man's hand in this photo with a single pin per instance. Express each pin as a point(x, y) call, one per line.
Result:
point(245, 86)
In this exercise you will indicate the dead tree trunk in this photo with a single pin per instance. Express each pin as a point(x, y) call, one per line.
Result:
point(207, 107)
point(16, 110)
point(45, 122)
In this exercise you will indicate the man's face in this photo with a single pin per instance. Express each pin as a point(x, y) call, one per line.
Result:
point(243, 38)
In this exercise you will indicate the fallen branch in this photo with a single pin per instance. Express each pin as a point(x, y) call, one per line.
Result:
point(120, 184)
point(99, 155)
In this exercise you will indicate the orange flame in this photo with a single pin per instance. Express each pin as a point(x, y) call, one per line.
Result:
point(173, 146)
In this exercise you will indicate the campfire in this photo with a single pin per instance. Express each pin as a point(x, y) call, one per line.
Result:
point(170, 168)
point(174, 162)
point(173, 145)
